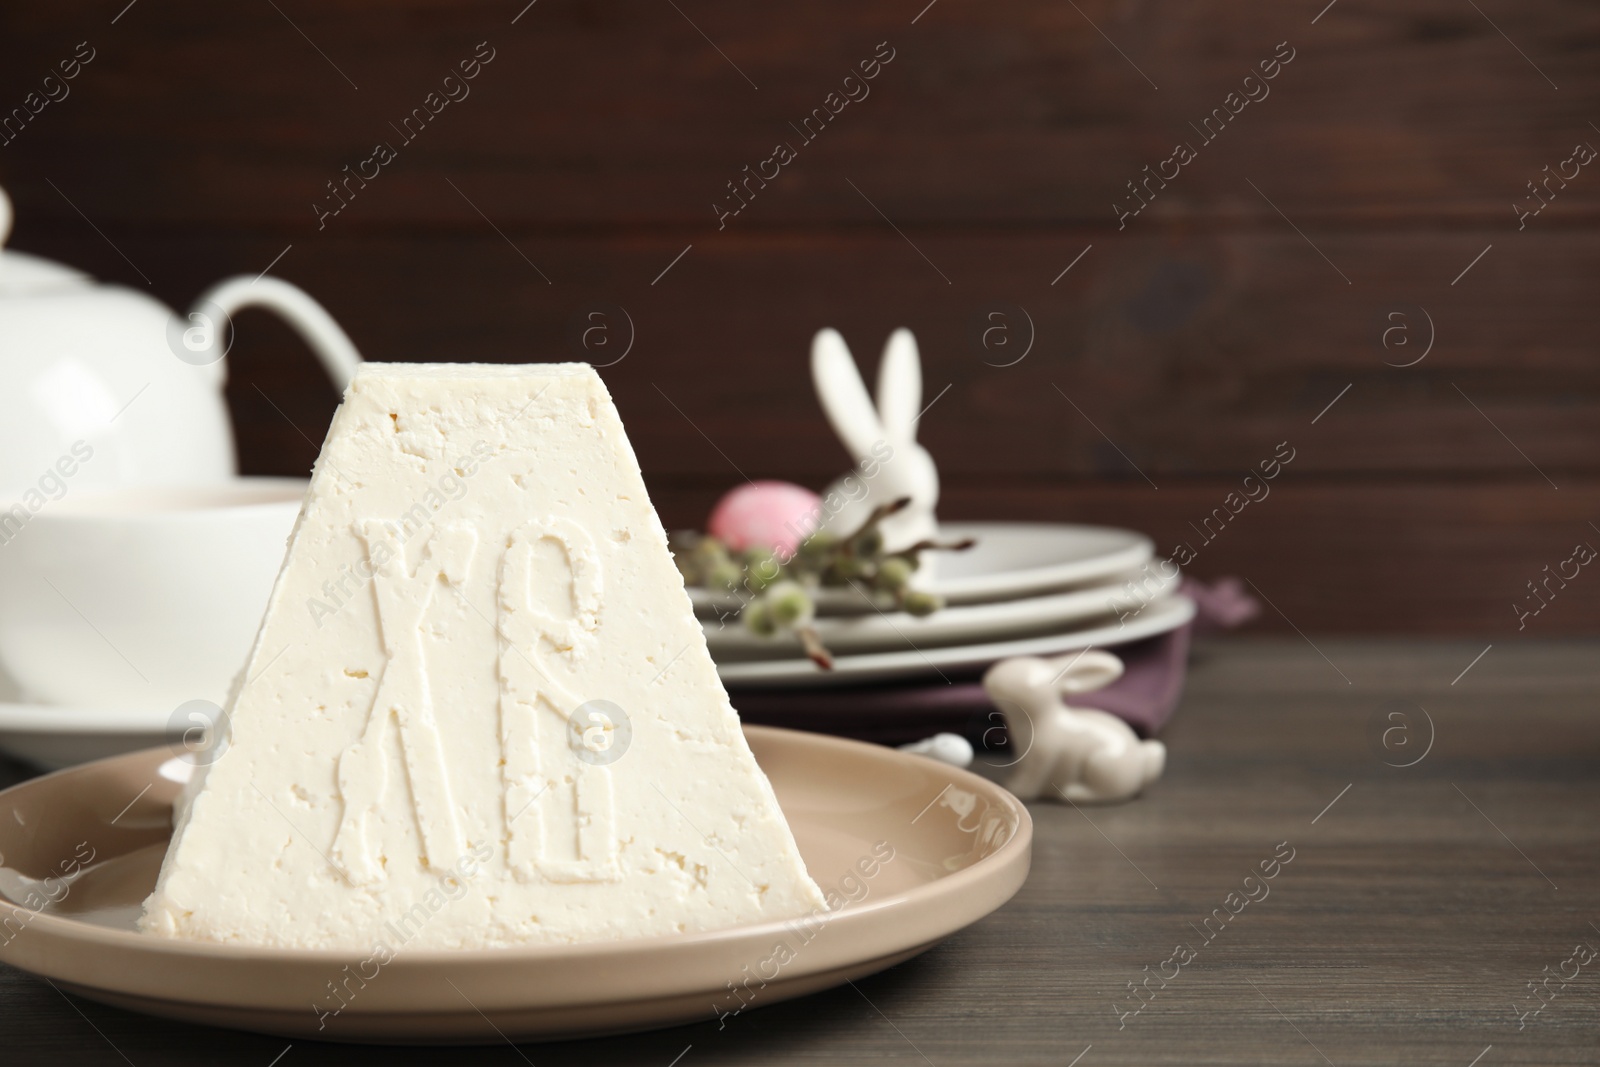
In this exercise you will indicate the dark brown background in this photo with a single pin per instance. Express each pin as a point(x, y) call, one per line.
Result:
point(997, 140)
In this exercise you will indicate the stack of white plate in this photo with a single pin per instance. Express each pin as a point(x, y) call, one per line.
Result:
point(1022, 589)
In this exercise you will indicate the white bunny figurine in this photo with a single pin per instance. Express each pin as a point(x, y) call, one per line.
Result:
point(890, 465)
point(1079, 754)
point(946, 748)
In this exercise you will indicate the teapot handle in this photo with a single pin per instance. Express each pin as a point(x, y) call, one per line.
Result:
point(330, 343)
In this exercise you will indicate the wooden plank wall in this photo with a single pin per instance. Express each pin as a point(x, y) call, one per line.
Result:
point(993, 147)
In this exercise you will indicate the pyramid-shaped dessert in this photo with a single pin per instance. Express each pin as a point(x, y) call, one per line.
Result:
point(480, 710)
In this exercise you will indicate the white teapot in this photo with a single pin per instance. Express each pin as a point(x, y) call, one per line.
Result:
point(109, 372)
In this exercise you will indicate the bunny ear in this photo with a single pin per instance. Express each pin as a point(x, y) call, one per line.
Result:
point(900, 386)
point(843, 394)
point(1083, 672)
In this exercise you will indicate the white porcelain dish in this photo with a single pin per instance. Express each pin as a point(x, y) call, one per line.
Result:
point(142, 597)
point(1010, 560)
point(1159, 617)
point(55, 737)
point(885, 631)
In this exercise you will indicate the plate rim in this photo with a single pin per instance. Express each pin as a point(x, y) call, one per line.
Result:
point(21, 717)
point(1142, 546)
point(1069, 608)
point(972, 590)
point(1166, 615)
point(44, 931)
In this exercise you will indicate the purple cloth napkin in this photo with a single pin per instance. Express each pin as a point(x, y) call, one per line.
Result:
point(894, 713)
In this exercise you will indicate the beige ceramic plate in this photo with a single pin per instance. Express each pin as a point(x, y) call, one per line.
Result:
point(960, 848)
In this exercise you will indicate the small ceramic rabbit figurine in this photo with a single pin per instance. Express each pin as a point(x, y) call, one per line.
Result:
point(1078, 754)
point(946, 748)
point(890, 465)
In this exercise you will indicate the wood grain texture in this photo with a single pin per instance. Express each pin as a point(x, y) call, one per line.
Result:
point(1188, 357)
point(1404, 929)
point(1181, 348)
point(621, 115)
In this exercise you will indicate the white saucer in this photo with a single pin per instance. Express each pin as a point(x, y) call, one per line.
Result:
point(55, 737)
point(1159, 617)
point(1010, 559)
point(882, 631)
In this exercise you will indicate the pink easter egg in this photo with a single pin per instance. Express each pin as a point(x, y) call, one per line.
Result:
point(776, 515)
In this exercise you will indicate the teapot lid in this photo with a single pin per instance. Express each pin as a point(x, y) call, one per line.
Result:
point(25, 275)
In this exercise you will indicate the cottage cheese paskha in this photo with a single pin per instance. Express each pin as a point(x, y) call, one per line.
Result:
point(480, 709)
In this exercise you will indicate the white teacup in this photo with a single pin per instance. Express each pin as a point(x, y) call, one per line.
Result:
point(141, 598)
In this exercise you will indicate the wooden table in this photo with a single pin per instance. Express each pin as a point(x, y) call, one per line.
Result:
point(1419, 904)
